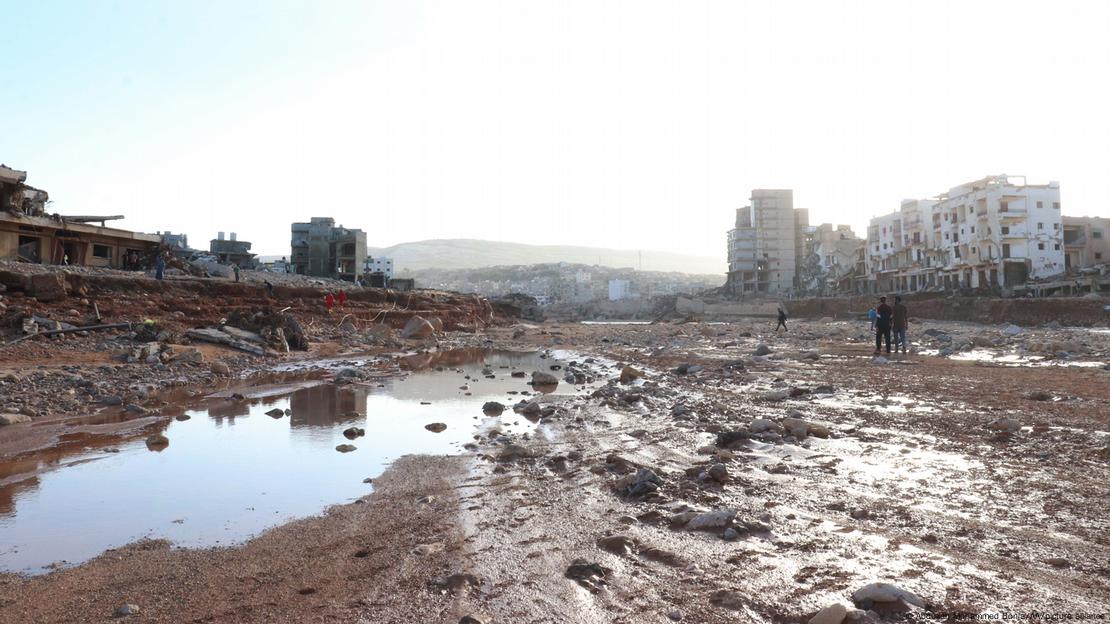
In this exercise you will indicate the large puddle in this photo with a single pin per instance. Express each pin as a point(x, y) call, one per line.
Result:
point(231, 471)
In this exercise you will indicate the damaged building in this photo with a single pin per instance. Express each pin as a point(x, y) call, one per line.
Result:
point(767, 245)
point(322, 249)
point(232, 251)
point(29, 234)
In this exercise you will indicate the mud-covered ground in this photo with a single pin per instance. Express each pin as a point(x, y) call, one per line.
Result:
point(736, 488)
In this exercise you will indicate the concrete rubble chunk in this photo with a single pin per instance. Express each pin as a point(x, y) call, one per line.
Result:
point(14, 419)
point(832, 614)
point(867, 595)
point(216, 336)
point(418, 327)
point(716, 519)
point(630, 374)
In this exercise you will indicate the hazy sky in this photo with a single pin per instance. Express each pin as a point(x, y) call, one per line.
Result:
point(637, 124)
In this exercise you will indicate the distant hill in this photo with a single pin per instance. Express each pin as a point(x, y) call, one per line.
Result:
point(472, 254)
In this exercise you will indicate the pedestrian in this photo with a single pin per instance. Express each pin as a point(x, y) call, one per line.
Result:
point(782, 320)
point(160, 266)
point(871, 316)
point(901, 323)
point(329, 302)
point(269, 289)
point(882, 325)
point(235, 267)
point(342, 299)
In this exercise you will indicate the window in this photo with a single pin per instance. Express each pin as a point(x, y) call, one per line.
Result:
point(1056, 246)
point(102, 251)
point(1040, 226)
point(973, 229)
point(1040, 204)
point(1005, 229)
point(1096, 233)
point(946, 216)
point(1005, 250)
point(1056, 205)
point(946, 236)
point(1056, 226)
point(1040, 246)
point(1098, 256)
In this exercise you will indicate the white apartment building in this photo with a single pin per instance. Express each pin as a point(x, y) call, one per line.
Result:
point(994, 233)
point(767, 245)
point(619, 289)
point(380, 265)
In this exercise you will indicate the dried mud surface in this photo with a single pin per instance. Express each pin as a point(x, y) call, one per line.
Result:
point(921, 482)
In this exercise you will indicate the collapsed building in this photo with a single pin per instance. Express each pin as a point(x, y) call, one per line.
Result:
point(29, 234)
point(232, 251)
point(321, 249)
point(767, 245)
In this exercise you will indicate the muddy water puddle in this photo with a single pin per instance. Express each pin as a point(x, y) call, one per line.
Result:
point(231, 470)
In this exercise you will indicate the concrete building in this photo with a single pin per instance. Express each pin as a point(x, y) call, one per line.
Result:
point(767, 245)
point(322, 249)
point(231, 251)
point(381, 265)
point(1086, 242)
point(27, 233)
point(619, 289)
point(830, 255)
point(995, 233)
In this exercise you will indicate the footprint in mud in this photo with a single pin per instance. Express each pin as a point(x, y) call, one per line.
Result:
point(617, 544)
point(589, 575)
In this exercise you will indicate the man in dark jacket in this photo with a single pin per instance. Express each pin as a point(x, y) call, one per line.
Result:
point(883, 325)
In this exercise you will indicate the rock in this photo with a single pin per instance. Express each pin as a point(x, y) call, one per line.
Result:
point(540, 378)
point(182, 417)
point(471, 619)
point(48, 287)
point(1039, 395)
point(860, 514)
point(14, 419)
point(630, 374)
point(775, 395)
point(617, 544)
point(762, 349)
point(513, 452)
point(157, 441)
point(135, 409)
point(878, 359)
point(1012, 330)
point(219, 368)
point(718, 472)
point(353, 432)
point(587, 574)
point(436, 427)
point(731, 534)
point(759, 425)
point(191, 355)
point(346, 448)
point(832, 614)
point(1005, 425)
point(715, 519)
point(493, 408)
point(127, 609)
point(640, 484)
point(418, 327)
point(796, 427)
point(867, 595)
point(518, 374)
point(687, 369)
point(276, 413)
point(1058, 562)
point(726, 439)
point(113, 399)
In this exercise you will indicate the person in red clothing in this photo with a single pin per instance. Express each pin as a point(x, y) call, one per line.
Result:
point(329, 302)
point(342, 298)
point(883, 325)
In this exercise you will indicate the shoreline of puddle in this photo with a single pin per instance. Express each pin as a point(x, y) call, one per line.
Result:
point(230, 472)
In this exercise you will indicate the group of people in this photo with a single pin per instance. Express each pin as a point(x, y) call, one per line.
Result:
point(887, 321)
point(331, 300)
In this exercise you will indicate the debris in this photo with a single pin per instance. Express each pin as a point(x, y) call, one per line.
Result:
point(436, 427)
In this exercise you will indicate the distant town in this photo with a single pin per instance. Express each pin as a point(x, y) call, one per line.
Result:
point(998, 235)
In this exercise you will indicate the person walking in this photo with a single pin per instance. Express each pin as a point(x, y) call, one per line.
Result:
point(342, 299)
point(871, 316)
point(901, 322)
point(329, 302)
point(235, 267)
point(782, 320)
point(160, 266)
point(269, 289)
point(882, 325)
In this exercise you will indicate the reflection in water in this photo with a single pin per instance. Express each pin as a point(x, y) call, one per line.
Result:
point(230, 471)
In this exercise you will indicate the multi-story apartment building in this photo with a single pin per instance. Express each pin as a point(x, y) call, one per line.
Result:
point(767, 244)
point(321, 249)
point(1086, 242)
point(991, 233)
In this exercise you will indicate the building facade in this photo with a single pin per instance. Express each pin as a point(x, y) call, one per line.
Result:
point(231, 250)
point(994, 233)
point(322, 249)
point(1086, 242)
point(380, 265)
point(767, 244)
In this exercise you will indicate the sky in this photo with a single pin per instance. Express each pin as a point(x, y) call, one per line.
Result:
point(635, 125)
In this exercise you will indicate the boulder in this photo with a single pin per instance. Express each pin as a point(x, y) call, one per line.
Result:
point(493, 407)
point(716, 519)
point(1005, 425)
point(48, 287)
point(762, 349)
point(759, 425)
point(436, 427)
point(630, 374)
point(832, 614)
point(868, 595)
point(14, 419)
point(544, 379)
point(418, 327)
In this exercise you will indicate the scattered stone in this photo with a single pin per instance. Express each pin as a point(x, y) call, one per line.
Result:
point(182, 417)
point(718, 472)
point(418, 327)
point(346, 448)
point(540, 378)
point(637, 486)
point(276, 413)
point(518, 374)
point(493, 408)
point(759, 425)
point(436, 427)
point(762, 349)
point(588, 575)
point(219, 368)
point(113, 399)
point(731, 534)
point(1005, 425)
point(687, 369)
point(726, 439)
point(1058, 562)
point(878, 359)
point(860, 514)
point(832, 614)
point(127, 609)
point(1012, 330)
point(617, 544)
point(157, 441)
point(514, 452)
point(353, 432)
point(1039, 395)
point(775, 395)
point(866, 596)
point(715, 519)
point(471, 619)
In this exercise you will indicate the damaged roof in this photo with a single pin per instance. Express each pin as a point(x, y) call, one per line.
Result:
point(12, 176)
